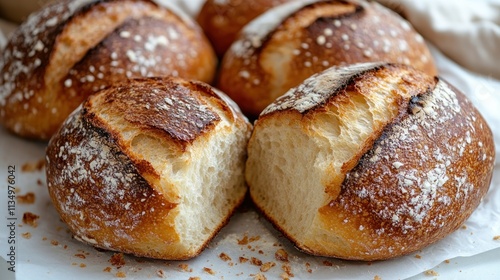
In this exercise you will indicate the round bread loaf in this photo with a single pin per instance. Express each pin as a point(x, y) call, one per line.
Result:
point(71, 49)
point(369, 162)
point(154, 167)
point(291, 42)
point(223, 20)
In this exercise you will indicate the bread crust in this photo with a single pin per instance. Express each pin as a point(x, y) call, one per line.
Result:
point(414, 180)
point(272, 56)
point(223, 20)
point(71, 49)
point(109, 194)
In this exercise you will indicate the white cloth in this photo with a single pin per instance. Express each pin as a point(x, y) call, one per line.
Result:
point(466, 31)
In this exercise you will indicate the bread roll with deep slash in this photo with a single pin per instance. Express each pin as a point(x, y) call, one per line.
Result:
point(71, 49)
point(153, 167)
point(293, 41)
point(223, 20)
point(369, 161)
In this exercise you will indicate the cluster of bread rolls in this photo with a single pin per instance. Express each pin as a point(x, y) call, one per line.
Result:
point(145, 157)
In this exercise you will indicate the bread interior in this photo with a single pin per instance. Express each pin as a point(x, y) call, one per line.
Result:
point(297, 163)
point(205, 179)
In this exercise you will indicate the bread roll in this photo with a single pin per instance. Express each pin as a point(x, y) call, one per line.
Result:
point(369, 162)
point(152, 168)
point(289, 43)
point(223, 20)
point(71, 49)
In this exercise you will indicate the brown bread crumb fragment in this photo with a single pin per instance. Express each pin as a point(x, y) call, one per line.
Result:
point(255, 261)
point(224, 257)
point(281, 255)
point(267, 266)
point(117, 260)
point(26, 235)
point(185, 267)
point(28, 198)
point(30, 219)
point(209, 271)
point(431, 272)
point(33, 166)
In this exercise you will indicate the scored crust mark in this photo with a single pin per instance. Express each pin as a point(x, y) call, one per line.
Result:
point(179, 114)
point(316, 90)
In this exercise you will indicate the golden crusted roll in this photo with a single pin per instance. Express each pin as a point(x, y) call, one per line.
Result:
point(153, 167)
point(289, 43)
point(71, 49)
point(369, 161)
point(223, 20)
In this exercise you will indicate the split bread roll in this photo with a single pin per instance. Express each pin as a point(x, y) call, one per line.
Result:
point(369, 162)
point(223, 20)
point(293, 41)
point(71, 49)
point(154, 167)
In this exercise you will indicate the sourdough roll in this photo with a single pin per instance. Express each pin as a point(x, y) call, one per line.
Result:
point(71, 49)
point(291, 42)
point(223, 20)
point(369, 162)
point(153, 167)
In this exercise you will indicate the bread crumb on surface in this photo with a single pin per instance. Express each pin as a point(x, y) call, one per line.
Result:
point(496, 237)
point(245, 240)
point(209, 270)
point(121, 274)
point(259, 276)
point(160, 273)
point(281, 255)
point(185, 267)
point(243, 260)
point(30, 219)
point(224, 257)
point(327, 263)
point(431, 272)
point(377, 277)
point(287, 271)
point(107, 269)
point(26, 235)
point(308, 267)
point(28, 198)
point(255, 261)
point(54, 242)
point(447, 261)
point(81, 256)
point(33, 166)
point(417, 256)
point(83, 265)
point(194, 278)
point(267, 266)
point(117, 260)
